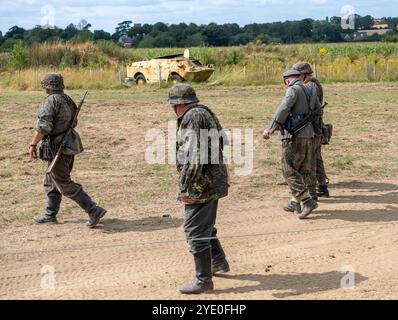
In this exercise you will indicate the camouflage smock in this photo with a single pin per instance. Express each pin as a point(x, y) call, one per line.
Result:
point(55, 115)
point(295, 102)
point(202, 181)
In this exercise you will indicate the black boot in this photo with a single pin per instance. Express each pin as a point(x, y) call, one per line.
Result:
point(323, 191)
point(293, 207)
point(219, 263)
point(203, 282)
point(45, 219)
point(314, 196)
point(95, 213)
point(52, 209)
point(309, 206)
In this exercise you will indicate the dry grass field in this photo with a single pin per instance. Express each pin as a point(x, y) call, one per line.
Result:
point(139, 251)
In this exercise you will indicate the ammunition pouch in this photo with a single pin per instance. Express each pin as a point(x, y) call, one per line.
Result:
point(45, 151)
point(293, 120)
point(327, 133)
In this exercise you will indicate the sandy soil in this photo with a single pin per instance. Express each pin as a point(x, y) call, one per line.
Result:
point(139, 251)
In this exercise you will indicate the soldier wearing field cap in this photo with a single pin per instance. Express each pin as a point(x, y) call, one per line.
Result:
point(319, 174)
point(55, 116)
point(296, 149)
point(202, 182)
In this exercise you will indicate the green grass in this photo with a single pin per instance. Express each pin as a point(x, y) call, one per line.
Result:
point(342, 162)
point(361, 129)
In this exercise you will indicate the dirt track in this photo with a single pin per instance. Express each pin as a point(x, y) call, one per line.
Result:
point(138, 254)
point(273, 255)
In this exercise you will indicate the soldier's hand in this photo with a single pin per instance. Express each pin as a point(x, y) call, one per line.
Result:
point(33, 152)
point(266, 135)
point(186, 200)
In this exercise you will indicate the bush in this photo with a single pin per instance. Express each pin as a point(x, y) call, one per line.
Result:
point(67, 61)
point(4, 60)
point(147, 42)
point(19, 57)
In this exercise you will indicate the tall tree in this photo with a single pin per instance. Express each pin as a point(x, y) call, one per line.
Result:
point(69, 32)
point(15, 32)
point(123, 27)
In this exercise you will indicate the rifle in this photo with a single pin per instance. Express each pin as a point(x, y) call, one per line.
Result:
point(66, 136)
point(294, 128)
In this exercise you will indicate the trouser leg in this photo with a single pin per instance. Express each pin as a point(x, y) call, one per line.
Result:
point(54, 197)
point(199, 229)
point(61, 179)
point(217, 252)
point(53, 204)
point(199, 225)
point(219, 262)
point(321, 177)
point(310, 178)
point(320, 167)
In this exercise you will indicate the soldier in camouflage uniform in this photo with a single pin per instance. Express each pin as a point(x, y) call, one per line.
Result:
point(55, 116)
point(297, 149)
point(202, 181)
point(319, 175)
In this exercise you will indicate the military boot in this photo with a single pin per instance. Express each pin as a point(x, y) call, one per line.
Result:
point(45, 219)
point(52, 209)
point(219, 263)
point(314, 196)
point(95, 217)
point(293, 207)
point(94, 212)
point(309, 206)
point(203, 282)
point(323, 191)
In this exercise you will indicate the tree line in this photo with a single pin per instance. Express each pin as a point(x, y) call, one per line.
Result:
point(191, 35)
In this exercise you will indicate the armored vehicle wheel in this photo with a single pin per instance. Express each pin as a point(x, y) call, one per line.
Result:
point(176, 78)
point(140, 80)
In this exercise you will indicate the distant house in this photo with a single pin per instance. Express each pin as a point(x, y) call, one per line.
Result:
point(358, 36)
point(378, 21)
point(380, 26)
point(364, 34)
point(126, 41)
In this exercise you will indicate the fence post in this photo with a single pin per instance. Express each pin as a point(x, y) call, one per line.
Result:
point(160, 77)
point(315, 71)
point(368, 70)
point(120, 77)
point(375, 71)
point(36, 79)
point(265, 73)
point(244, 72)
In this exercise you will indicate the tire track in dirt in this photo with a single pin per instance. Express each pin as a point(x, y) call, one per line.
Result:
point(274, 246)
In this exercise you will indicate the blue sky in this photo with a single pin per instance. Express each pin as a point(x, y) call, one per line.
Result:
point(105, 14)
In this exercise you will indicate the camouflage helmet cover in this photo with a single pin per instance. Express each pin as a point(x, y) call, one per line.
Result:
point(53, 81)
point(291, 73)
point(303, 67)
point(182, 94)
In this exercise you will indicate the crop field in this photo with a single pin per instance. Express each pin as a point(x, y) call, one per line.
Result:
point(139, 250)
point(102, 65)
